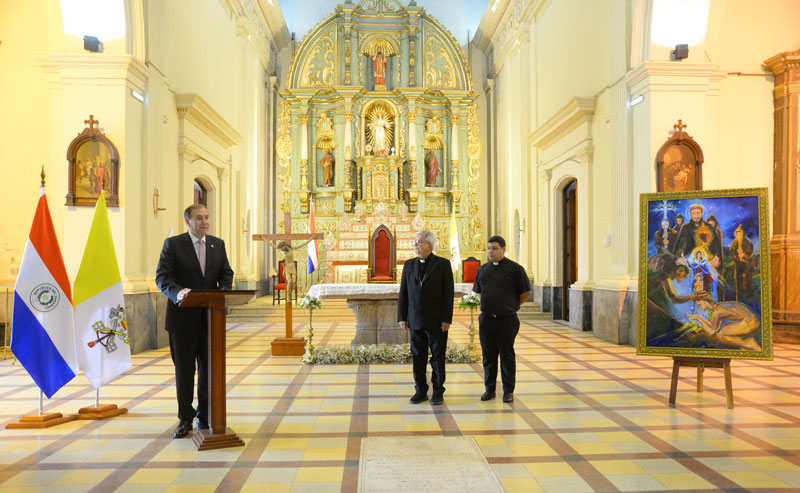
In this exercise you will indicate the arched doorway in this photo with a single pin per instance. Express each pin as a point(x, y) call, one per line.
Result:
point(204, 194)
point(569, 241)
point(200, 193)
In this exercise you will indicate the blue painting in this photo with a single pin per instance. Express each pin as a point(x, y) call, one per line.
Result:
point(704, 275)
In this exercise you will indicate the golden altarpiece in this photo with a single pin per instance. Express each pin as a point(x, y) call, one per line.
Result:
point(379, 125)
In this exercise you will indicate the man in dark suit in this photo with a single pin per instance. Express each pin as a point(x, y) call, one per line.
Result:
point(425, 307)
point(193, 260)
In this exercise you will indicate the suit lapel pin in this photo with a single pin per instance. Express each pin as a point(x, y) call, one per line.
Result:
point(212, 246)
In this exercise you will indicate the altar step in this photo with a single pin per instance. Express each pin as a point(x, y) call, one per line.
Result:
point(261, 310)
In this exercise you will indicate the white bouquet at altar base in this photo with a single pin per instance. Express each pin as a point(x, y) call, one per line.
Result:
point(470, 301)
point(310, 302)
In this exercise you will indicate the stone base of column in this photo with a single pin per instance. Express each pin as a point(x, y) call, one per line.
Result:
point(580, 307)
point(146, 313)
point(541, 296)
point(556, 300)
point(614, 315)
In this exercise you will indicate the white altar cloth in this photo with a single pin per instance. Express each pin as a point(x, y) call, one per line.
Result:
point(369, 291)
point(375, 308)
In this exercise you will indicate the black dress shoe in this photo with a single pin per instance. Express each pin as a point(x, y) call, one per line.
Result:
point(487, 396)
point(508, 396)
point(417, 398)
point(201, 425)
point(437, 399)
point(183, 429)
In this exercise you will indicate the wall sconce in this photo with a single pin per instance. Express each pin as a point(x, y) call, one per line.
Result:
point(156, 208)
point(680, 52)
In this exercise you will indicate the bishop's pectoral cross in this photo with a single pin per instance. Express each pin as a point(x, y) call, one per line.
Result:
point(288, 346)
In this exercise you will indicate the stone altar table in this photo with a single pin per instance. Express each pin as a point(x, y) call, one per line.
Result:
point(375, 308)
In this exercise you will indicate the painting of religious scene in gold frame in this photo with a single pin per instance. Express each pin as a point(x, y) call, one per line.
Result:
point(704, 274)
point(92, 166)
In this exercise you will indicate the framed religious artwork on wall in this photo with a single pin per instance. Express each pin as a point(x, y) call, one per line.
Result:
point(704, 274)
point(93, 165)
point(679, 163)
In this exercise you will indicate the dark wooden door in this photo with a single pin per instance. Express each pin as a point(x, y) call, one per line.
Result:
point(200, 194)
point(570, 242)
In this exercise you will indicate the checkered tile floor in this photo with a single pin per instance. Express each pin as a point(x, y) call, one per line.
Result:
point(588, 416)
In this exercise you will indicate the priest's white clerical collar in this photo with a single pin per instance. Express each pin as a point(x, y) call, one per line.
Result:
point(422, 260)
point(496, 263)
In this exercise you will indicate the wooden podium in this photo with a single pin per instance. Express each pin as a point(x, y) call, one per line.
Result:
point(218, 435)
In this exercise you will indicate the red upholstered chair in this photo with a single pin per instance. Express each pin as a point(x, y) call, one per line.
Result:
point(279, 284)
point(469, 267)
point(382, 256)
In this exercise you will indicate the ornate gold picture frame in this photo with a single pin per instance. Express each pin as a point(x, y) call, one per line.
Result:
point(704, 274)
point(93, 165)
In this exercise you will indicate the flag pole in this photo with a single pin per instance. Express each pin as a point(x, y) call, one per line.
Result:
point(41, 420)
point(97, 397)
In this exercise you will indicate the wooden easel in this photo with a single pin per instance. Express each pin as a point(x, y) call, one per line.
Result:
point(701, 364)
point(288, 346)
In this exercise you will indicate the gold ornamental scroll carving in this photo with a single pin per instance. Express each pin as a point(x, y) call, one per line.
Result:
point(325, 135)
point(283, 146)
point(439, 67)
point(474, 156)
point(380, 6)
point(319, 67)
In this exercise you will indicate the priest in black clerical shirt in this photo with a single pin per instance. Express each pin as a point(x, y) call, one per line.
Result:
point(502, 285)
point(425, 307)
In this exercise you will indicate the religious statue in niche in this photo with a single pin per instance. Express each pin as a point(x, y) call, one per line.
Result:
point(379, 51)
point(381, 129)
point(433, 143)
point(326, 143)
point(431, 168)
point(328, 163)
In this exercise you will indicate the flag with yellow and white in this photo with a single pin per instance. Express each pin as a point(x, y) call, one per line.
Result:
point(101, 326)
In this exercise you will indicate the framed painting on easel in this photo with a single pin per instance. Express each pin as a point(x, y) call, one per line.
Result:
point(704, 275)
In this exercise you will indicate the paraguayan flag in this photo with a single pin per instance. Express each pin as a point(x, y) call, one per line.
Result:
point(42, 334)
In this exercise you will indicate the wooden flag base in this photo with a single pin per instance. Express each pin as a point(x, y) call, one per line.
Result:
point(289, 346)
point(101, 412)
point(207, 440)
point(40, 421)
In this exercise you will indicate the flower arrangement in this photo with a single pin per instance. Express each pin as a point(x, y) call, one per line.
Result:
point(381, 353)
point(310, 303)
point(471, 302)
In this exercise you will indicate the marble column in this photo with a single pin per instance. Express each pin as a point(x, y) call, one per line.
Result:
point(348, 157)
point(785, 242)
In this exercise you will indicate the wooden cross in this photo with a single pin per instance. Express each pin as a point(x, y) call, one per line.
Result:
point(91, 121)
point(679, 127)
point(289, 345)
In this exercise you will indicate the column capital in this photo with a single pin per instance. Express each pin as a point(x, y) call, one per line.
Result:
point(304, 118)
point(783, 62)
